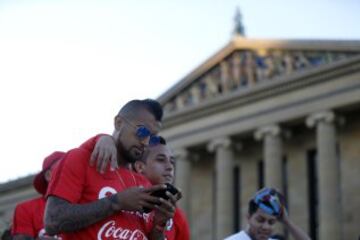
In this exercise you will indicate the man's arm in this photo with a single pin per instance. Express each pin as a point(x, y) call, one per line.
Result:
point(163, 213)
point(103, 152)
point(294, 230)
point(63, 216)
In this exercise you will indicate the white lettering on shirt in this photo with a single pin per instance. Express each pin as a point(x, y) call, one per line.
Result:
point(106, 192)
point(110, 231)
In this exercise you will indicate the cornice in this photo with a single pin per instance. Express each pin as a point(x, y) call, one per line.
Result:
point(265, 90)
point(197, 72)
point(239, 43)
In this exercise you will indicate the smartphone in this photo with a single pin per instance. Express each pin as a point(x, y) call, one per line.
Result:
point(162, 193)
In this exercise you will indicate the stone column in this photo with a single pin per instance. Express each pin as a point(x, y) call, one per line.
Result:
point(328, 175)
point(224, 186)
point(273, 154)
point(182, 178)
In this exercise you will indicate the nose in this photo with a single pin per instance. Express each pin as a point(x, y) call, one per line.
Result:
point(267, 226)
point(169, 166)
point(145, 141)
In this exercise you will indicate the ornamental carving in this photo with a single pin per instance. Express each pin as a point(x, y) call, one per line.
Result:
point(247, 68)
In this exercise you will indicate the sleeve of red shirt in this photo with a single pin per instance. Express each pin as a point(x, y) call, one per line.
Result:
point(70, 176)
point(90, 143)
point(182, 225)
point(23, 221)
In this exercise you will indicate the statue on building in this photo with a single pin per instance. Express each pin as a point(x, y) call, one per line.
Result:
point(225, 76)
point(239, 29)
point(195, 94)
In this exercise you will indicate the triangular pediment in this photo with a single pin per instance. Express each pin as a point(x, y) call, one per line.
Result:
point(246, 63)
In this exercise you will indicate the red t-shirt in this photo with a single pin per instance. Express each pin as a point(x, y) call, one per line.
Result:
point(28, 218)
point(75, 181)
point(178, 227)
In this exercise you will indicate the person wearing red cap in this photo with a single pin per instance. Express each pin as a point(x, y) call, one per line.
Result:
point(85, 204)
point(267, 208)
point(28, 216)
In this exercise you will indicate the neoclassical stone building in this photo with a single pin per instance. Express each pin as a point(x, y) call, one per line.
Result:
point(281, 113)
point(270, 113)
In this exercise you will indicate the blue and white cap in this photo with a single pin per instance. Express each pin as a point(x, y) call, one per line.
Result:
point(270, 201)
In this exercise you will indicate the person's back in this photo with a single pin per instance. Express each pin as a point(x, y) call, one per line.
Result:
point(28, 219)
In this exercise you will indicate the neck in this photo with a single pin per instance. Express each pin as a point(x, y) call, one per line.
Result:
point(120, 158)
point(121, 161)
point(249, 234)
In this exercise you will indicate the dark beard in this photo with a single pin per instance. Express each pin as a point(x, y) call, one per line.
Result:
point(124, 155)
point(128, 157)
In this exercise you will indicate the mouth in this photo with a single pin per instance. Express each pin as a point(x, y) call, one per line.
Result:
point(138, 151)
point(169, 178)
point(264, 235)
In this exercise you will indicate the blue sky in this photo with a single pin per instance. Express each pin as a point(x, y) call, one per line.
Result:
point(66, 67)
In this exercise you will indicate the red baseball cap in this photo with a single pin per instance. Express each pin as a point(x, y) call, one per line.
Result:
point(40, 183)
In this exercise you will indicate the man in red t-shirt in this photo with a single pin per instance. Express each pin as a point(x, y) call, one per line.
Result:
point(85, 204)
point(157, 164)
point(28, 216)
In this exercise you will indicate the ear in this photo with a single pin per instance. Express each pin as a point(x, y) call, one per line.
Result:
point(139, 167)
point(118, 122)
point(47, 175)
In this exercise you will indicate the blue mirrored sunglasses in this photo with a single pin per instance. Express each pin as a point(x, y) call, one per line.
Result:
point(142, 132)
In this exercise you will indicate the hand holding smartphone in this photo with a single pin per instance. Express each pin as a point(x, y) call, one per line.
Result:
point(162, 193)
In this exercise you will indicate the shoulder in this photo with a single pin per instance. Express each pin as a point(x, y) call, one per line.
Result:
point(75, 157)
point(29, 208)
point(180, 214)
point(80, 154)
point(238, 236)
point(31, 203)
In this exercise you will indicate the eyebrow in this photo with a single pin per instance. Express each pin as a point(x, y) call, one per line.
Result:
point(161, 155)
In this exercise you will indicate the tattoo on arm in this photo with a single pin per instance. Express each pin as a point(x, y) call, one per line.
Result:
point(62, 216)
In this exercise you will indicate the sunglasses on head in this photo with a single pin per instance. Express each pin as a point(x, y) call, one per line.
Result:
point(143, 132)
point(269, 202)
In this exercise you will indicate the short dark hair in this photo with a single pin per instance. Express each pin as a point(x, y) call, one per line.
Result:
point(152, 106)
point(146, 152)
point(253, 207)
point(162, 140)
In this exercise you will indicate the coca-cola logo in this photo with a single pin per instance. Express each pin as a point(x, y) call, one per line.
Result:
point(106, 192)
point(110, 231)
